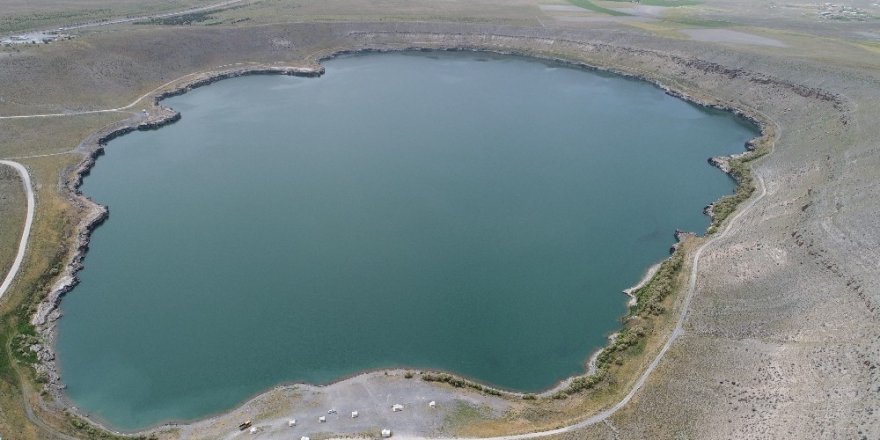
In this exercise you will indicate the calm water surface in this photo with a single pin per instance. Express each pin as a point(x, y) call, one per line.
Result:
point(452, 211)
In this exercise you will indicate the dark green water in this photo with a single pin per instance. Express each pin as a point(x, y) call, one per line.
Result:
point(454, 211)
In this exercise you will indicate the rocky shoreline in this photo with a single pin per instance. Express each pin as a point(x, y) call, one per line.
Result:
point(157, 116)
point(94, 214)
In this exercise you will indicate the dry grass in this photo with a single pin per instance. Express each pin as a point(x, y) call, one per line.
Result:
point(12, 210)
point(28, 137)
point(18, 15)
point(521, 12)
point(52, 229)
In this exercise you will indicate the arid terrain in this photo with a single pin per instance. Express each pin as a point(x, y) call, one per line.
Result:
point(774, 334)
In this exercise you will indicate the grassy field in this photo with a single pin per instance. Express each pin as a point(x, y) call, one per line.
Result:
point(20, 15)
point(518, 12)
point(665, 3)
point(591, 6)
point(52, 227)
point(27, 137)
point(12, 204)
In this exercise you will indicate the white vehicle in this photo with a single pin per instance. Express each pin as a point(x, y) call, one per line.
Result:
point(291, 422)
point(397, 407)
point(322, 419)
point(386, 433)
point(354, 414)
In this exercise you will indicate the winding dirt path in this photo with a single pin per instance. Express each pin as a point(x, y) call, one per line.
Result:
point(26, 231)
point(109, 110)
point(119, 21)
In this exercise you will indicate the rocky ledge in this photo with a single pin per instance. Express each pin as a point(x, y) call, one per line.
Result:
point(152, 117)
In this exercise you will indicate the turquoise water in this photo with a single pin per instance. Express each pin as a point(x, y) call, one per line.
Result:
point(459, 212)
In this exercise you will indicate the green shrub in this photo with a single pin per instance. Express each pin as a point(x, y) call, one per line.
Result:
point(745, 187)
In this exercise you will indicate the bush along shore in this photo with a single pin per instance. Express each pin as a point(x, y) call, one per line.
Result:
point(639, 324)
point(738, 168)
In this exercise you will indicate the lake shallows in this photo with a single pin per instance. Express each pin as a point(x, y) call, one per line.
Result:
point(462, 212)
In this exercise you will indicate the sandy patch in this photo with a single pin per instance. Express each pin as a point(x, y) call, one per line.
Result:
point(731, 37)
point(371, 395)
